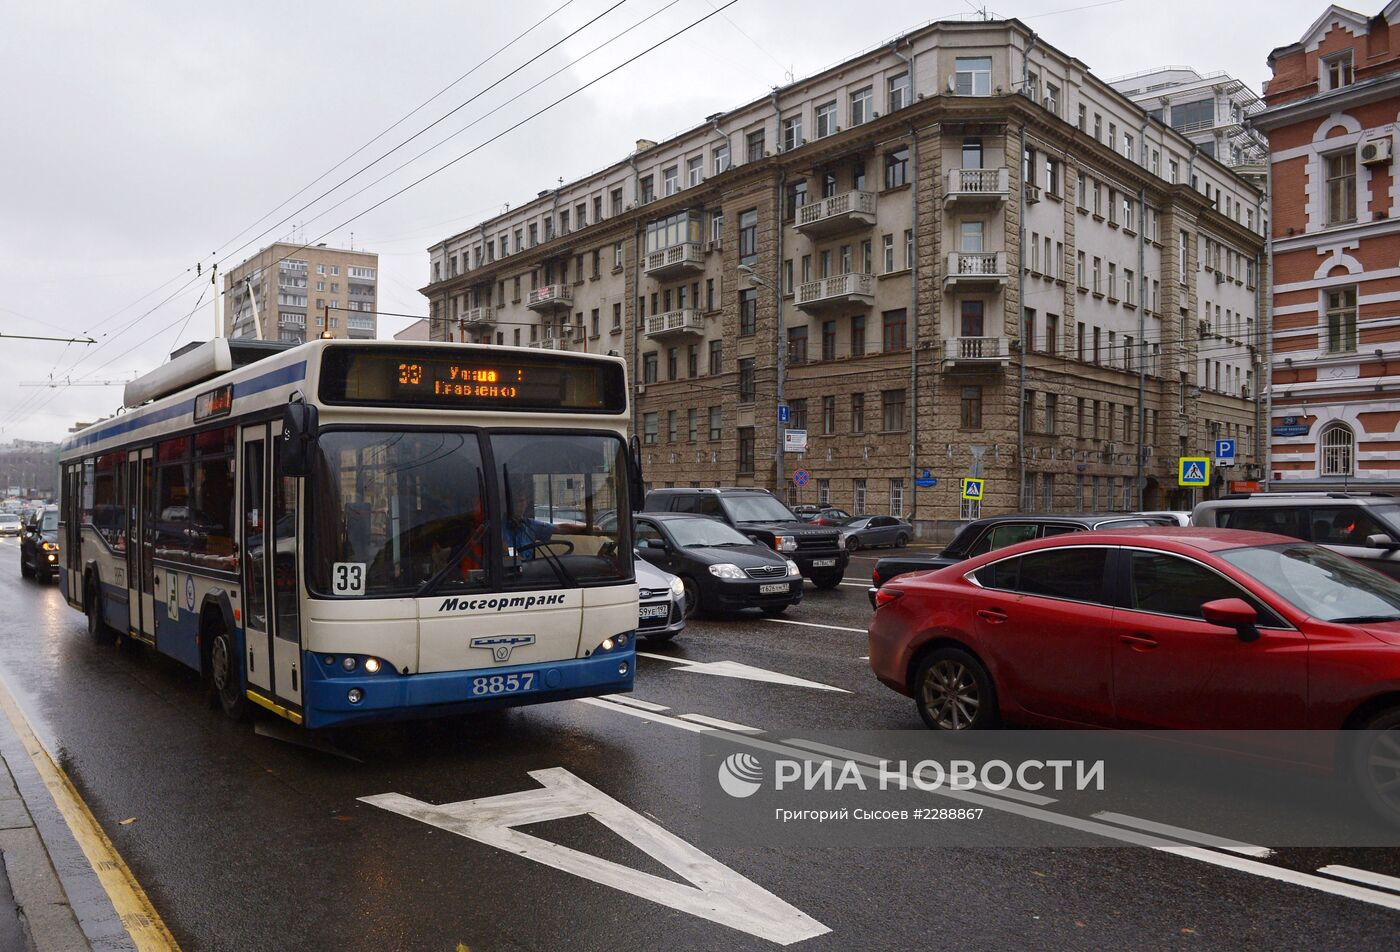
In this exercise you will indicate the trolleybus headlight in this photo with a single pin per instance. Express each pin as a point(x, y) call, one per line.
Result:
point(372, 665)
point(348, 663)
point(354, 695)
point(607, 645)
point(329, 659)
point(622, 668)
point(622, 640)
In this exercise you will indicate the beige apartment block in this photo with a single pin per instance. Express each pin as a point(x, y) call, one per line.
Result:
point(303, 292)
point(958, 253)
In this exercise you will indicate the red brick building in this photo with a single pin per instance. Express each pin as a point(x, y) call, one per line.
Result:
point(1332, 107)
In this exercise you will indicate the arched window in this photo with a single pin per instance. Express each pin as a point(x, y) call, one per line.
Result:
point(1338, 450)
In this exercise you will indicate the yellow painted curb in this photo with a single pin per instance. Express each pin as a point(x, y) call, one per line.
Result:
point(140, 918)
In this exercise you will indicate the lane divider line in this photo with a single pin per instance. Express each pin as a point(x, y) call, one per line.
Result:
point(812, 624)
point(1181, 833)
point(635, 702)
point(722, 725)
point(645, 715)
point(145, 926)
point(1363, 876)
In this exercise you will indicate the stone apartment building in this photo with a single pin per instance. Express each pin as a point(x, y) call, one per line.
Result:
point(958, 253)
point(317, 289)
point(1331, 119)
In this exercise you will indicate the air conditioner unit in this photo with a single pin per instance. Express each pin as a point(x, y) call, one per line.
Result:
point(1376, 151)
point(641, 388)
point(1219, 277)
point(1032, 194)
point(714, 245)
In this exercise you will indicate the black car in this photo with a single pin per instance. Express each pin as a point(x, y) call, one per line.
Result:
point(761, 516)
point(993, 532)
point(38, 545)
point(721, 569)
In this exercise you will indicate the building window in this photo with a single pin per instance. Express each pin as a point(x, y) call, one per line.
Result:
point(892, 409)
point(970, 237)
point(1052, 98)
point(1341, 321)
point(748, 236)
point(857, 335)
point(893, 325)
point(862, 105)
point(823, 492)
point(670, 426)
point(1338, 71)
point(908, 248)
point(858, 496)
point(897, 167)
point(826, 119)
point(716, 423)
point(692, 424)
point(649, 363)
point(746, 450)
point(1338, 445)
point(1052, 333)
point(748, 312)
point(650, 422)
point(756, 146)
point(716, 357)
point(857, 413)
point(792, 132)
point(889, 253)
point(897, 497)
point(1052, 403)
point(828, 340)
point(971, 408)
point(828, 415)
point(797, 345)
point(694, 171)
point(671, 362)
point(898, 88)
point(798, 414)
point(746, 380)
point(1341, 186)
point(648, 192)
point(973, 76)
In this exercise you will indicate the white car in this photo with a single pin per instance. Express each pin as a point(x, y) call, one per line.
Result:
point(9, 524)
point(1182, 518)
point(662, 608)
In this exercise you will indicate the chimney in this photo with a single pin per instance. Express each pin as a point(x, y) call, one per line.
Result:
point(644, 144)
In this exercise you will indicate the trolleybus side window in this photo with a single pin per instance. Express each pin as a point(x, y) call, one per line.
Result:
point(284, 555)
point(108, 503)
point(171, 517)
point(211, 516)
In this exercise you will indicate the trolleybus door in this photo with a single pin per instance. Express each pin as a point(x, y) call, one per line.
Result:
point(140, 574)
point(257, 633)
point(285, 531)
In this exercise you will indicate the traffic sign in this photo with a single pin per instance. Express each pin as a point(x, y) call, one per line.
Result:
point(925, 480)
point(794, 441)
point(1224, 452)
point(801, 477)
point(972, 488)
point(784, 413)
point(1193, 471)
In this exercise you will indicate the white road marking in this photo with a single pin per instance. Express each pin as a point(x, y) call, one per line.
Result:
point(635, 702)
point(1181, 833)
point(858, 757)
point(857, 584)
point(1200, 854)
point(813, 624)
point(644, 715)
point(722, 725)
point(1363, 876)
point(716, 893)
point(744, 672)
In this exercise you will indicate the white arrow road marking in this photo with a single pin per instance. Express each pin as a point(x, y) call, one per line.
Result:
point(812, 624)
point(718, 893)
point(733, 669)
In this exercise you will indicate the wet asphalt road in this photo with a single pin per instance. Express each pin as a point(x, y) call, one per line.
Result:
point(247, 842)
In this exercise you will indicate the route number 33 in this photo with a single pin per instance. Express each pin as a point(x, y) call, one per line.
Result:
point(348, 578)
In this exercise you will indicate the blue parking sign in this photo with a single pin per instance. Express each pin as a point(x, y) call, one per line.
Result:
point(1224, 451)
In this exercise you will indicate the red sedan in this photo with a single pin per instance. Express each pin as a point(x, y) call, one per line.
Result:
point(1195, 629)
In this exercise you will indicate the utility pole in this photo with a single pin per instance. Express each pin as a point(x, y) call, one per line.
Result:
point(779, 453)
point(214, 280)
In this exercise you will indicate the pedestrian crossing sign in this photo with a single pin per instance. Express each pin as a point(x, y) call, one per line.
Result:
point(1193, 471)
point(972, 488)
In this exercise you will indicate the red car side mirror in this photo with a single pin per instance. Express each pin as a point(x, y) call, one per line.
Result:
point(1233, 613)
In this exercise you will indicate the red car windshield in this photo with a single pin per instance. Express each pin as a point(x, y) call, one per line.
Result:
point(1320, 583)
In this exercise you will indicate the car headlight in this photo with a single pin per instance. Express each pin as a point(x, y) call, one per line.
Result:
point(793, 569)
point(785, 543)
point(727, 570)
point(50, 547)
point(677, 587)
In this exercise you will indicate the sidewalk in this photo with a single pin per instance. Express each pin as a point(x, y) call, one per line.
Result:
point(35, 914)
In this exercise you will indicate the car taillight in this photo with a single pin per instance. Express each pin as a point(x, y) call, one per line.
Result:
point(875, 578)
point(886, 595)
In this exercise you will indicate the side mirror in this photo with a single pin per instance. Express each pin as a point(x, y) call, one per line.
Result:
point(654, 544)
point(1382, 541)
point(299, 432)
point(1233, 613)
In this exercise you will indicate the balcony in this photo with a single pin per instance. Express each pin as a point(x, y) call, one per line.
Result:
point(974, 186)
point(675, 260)
point(976, 270)
point(550, 343)
point(675, 324)
point(978, 351)
point(848, 211)
point(844, 290)
point(479, 316)
point(550, 298)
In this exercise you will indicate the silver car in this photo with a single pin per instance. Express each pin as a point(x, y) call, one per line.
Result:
point(662, 597)
point(864, 532)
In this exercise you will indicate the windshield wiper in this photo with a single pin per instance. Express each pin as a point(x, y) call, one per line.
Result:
point(1363, 619)
point(440, 576)
point(540, 548)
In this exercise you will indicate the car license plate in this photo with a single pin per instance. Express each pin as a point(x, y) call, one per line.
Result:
point(775, 588)
point(823, 563)
point(655, 611)
point(489, 685)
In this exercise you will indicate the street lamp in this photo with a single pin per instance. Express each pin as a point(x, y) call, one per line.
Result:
point(779, 460)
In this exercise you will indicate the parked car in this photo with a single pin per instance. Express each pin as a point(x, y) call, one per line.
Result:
point(720, 568)
point(865, 532)
point(995, 532)
point(1177, 517)
point(38, 546)
point(10, 524)
point(662, 613)
point(1174, 628)
point(763, 517)
point(822, 515)
point(1361, 526)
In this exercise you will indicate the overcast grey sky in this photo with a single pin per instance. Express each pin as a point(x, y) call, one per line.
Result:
point(140, 138)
